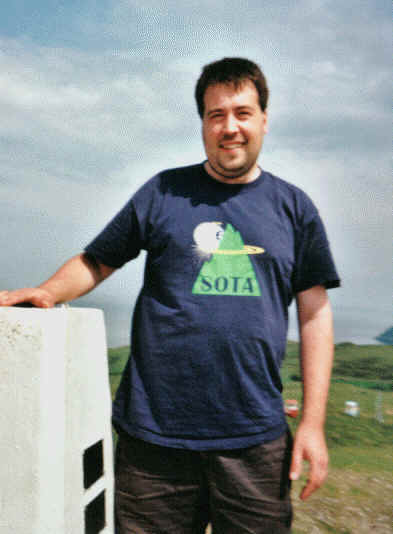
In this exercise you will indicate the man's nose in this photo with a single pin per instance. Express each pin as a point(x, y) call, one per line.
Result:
point(230, 125)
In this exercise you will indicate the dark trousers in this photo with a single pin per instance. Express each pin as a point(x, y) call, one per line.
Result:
point(161, 490)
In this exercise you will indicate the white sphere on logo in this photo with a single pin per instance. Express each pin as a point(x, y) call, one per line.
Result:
point(208, 235)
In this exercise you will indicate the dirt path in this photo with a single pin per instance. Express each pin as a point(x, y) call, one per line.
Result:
point(349, 503)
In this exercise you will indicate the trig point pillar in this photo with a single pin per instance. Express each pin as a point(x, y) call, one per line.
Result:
point(56, 470)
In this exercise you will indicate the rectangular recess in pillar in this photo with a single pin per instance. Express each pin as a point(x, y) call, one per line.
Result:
point(95, 520)
point(93, 464)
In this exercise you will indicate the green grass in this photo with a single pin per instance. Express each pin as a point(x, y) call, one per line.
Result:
point(117, 359)
point(372, 362)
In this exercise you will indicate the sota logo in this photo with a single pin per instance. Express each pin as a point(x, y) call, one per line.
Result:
point(228, 269)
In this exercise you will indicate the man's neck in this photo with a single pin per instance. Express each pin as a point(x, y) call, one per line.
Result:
point(249, 176)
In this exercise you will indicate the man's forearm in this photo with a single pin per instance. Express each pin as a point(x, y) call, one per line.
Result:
point(77, 276)
point(316, 353)
point(316, 335)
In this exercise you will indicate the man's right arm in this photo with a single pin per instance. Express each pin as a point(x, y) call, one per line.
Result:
point(76, 277)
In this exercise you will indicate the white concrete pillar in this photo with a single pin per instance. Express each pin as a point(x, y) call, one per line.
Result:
point(56, 464)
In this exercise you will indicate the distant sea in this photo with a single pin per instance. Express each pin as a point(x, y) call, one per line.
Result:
point(354, 325)
point(348, 326)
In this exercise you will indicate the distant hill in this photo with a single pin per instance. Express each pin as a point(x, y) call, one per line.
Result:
point(386, 337)
point(360, 362)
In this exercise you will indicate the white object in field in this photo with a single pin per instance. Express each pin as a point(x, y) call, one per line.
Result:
point(56, 466)
point(351, 408)
point(379, 407)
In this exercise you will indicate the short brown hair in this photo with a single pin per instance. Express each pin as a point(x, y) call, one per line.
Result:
point(231, 70)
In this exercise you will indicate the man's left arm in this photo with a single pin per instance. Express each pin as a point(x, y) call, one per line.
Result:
point(316, 352)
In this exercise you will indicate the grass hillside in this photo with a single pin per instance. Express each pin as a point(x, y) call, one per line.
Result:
point(357, 495)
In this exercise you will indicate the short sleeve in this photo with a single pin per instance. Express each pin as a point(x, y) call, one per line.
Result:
point(128, 232)
point(314, 263)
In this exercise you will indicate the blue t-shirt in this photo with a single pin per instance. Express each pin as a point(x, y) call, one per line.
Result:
point(210, 324)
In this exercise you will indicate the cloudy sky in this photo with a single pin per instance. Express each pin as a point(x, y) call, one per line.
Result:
point(95, 97)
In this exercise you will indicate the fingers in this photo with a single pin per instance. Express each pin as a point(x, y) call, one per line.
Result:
point(317, 476)
point(35, 296)
point(7, 298)
point(311, 447)
point(296, 465)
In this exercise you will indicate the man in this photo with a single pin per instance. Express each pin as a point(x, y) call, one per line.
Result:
point(202, 430)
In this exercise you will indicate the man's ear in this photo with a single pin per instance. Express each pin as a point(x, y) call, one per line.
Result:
point(265, 122)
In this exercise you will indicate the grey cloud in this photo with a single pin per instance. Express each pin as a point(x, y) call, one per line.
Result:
point(88, 122)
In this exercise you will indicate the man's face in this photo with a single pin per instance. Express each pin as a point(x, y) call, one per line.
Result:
point(233, 128)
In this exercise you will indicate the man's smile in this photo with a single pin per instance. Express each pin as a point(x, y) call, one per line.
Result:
point(232, 145)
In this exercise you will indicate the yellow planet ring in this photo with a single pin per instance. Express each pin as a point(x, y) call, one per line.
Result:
point(248, 249)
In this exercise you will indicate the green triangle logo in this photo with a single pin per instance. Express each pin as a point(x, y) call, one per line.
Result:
point(229, 271)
